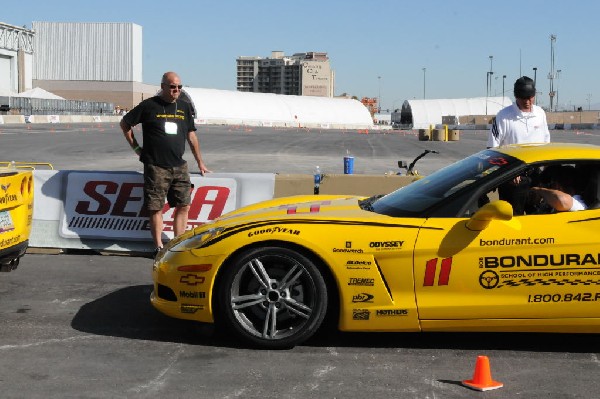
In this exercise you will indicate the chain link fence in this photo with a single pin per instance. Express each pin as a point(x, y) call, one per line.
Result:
point(42, 106)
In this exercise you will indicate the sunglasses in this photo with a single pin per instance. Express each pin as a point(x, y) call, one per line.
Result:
point(173, 87)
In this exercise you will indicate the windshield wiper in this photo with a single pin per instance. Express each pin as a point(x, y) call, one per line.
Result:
point(367, 203)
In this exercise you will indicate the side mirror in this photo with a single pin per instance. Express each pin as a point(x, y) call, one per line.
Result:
point(500, 210)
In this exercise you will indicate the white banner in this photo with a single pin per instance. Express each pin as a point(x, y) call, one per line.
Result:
point(103, 209)
point(101, 205)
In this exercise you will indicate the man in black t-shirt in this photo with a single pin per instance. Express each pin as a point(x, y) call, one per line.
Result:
point(167, 122)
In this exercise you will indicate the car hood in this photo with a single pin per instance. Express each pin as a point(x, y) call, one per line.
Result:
point(305, 206)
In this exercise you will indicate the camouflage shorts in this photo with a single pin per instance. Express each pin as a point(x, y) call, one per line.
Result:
point(170, 183)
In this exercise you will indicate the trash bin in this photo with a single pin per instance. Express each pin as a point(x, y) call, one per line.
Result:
point(438, 135)
point(453, 135)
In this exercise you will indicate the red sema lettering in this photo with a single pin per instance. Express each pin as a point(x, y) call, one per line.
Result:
point(103, 205)
point(213, 197)
point(110, 198)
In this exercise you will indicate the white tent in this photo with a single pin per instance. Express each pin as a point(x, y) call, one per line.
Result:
point(233, 107)
point(429, 112)
point(38, 92)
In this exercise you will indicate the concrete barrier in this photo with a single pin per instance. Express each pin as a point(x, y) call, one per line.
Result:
point(364, 185)
point(12, 119)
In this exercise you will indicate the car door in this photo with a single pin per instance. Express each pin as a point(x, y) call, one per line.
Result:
point(529, 267)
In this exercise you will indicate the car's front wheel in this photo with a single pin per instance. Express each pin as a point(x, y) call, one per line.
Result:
point(271, 297)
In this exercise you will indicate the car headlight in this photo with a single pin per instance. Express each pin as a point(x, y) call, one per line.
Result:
point(197, 241)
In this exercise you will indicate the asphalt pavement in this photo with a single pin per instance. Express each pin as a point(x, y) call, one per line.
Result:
point(81, 326)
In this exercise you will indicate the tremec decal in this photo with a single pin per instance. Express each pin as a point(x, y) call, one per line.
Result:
point(363, 282)
point(109, 205)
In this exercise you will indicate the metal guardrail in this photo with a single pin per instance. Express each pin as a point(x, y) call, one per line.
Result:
point(25, 165)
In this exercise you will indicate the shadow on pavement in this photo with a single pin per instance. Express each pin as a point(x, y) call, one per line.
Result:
point(128, 313)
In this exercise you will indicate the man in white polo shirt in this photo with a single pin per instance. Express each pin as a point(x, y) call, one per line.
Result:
point(520, 122)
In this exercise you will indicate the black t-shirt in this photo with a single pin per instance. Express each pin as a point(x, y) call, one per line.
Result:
point(165, 127)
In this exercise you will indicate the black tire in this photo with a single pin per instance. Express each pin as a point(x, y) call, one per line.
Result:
point(272, 298)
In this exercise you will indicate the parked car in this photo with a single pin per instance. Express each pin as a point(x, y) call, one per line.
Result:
point(443, 253)
point(16, 211)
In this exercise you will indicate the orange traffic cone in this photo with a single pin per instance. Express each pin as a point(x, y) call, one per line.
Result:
point(482, 377)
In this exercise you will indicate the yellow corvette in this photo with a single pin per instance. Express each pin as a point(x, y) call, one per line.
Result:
point(441, 254)
point(16, 212)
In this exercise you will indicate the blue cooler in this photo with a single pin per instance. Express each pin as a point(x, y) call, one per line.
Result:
point(348, 165)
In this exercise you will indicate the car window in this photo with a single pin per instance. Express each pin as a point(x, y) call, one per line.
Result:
point(417, 197)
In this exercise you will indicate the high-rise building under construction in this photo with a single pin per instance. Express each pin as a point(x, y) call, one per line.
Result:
point(302, 74)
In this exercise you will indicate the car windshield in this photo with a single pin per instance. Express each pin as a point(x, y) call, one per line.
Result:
point(428, 191)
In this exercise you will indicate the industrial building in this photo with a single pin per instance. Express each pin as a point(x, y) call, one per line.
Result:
point(302, 74)
point(98, 61)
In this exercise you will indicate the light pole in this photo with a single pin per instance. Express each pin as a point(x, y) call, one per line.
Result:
point(424, 70)
point(379, 98)
point(534, 82)
point(503, 77)
point(557, 76)
point(489, 85)
point(589, 98)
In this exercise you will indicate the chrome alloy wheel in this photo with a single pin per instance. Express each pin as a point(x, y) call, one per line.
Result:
point(276, 297)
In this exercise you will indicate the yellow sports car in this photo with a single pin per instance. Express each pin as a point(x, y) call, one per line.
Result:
point(443, 253)
point(16, 212)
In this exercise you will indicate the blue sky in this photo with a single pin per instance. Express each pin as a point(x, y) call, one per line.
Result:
point(375, 47)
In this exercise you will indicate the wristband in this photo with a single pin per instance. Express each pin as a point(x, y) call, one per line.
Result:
point(137, 148)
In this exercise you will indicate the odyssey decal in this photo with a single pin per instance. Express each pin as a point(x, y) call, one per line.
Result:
point(385, 245)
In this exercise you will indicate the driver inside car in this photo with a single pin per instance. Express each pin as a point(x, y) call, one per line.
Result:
point(557, 191)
